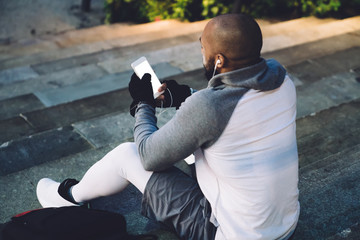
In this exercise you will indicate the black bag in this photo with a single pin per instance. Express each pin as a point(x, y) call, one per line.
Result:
point(67, 223)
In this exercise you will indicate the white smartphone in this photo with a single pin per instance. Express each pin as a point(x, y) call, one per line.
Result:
point(142, 66)
point(190, 159)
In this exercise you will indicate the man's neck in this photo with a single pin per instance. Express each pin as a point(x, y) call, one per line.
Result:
point(239, 64)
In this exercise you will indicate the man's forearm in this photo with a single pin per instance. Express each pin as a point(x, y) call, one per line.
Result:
point(145, 125)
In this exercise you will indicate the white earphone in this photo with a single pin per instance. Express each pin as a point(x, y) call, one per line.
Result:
point(217, 62)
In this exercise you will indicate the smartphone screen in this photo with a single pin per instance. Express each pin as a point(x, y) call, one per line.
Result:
point(142, 66)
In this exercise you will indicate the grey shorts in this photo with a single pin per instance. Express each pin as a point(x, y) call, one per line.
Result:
point(175, 199)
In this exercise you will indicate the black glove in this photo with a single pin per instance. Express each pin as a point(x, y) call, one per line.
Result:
point(175, 93)
point(140, 90)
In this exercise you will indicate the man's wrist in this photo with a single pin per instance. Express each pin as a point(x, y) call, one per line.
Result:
point(136, 104)
point(152, 103)
point(192, 91)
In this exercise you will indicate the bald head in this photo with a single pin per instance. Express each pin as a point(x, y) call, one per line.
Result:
point(235, 37)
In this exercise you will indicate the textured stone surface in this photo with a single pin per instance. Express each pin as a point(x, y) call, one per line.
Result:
point(113, 53)
point(19, 194)
point(327, 92)
point(37, 149)
point(16, 75)
point(14, 128)
point(12, 107)
point(107, 83)
point(316, 49)
point(328, 132)
point(329, 195)
point(109, 129)
point(313, 33)
point(65, 114)
point(52, 80)
point(315, 69)
point(114, 129)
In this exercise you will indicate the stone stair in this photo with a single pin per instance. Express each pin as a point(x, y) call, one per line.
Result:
point(64, 104)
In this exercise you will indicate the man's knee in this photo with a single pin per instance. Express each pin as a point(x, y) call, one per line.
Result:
point(125, 149)
point(125, 152)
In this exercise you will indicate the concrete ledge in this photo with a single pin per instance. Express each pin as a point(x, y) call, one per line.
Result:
point(12, 107)
point(52, 80)
point(40, 148)
point(329, 196)
point(309, 34)
point(10, 76)
point(108, 83)
point(328, 132)
point(294, 55)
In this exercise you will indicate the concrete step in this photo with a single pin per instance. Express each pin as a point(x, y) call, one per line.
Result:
point(113, 61)
point(185, 57)
point(110, 82)
point(327, 81)
point(39, 148)
point(315, 49)
point(279, 28)
point(19, 194)
point(62, 115)
point(13, 107)
point(109, 35)
point(68, 71)
point(52, 80)
point(333, 81)
point(50, 74)
point(329, 196)
point(309, 34)
point(350, 233)
point(328, 132)
point(87, 41)
point(329, 150)
point(190, 28)
point(115, 31)
point(129, 52)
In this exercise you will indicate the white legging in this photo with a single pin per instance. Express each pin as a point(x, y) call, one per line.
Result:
point(112, 174)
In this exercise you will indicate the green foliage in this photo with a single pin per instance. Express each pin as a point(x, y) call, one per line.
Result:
point(318, 7)
point(213, 8)
point(148, 10)
point(295, 8)
point(193, 10)
point(167, 9)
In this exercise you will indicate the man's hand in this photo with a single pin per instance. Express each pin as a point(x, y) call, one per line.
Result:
point(140, 91)
point(174, 94)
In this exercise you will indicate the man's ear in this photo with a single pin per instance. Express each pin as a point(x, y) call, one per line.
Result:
point(219, 60)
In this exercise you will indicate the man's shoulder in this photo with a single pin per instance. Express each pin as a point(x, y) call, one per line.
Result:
point(198, 101)
point(203, 95)
point(207, 99)
point(213, 102)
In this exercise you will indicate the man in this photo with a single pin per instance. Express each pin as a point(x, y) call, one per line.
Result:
point(241, 129)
